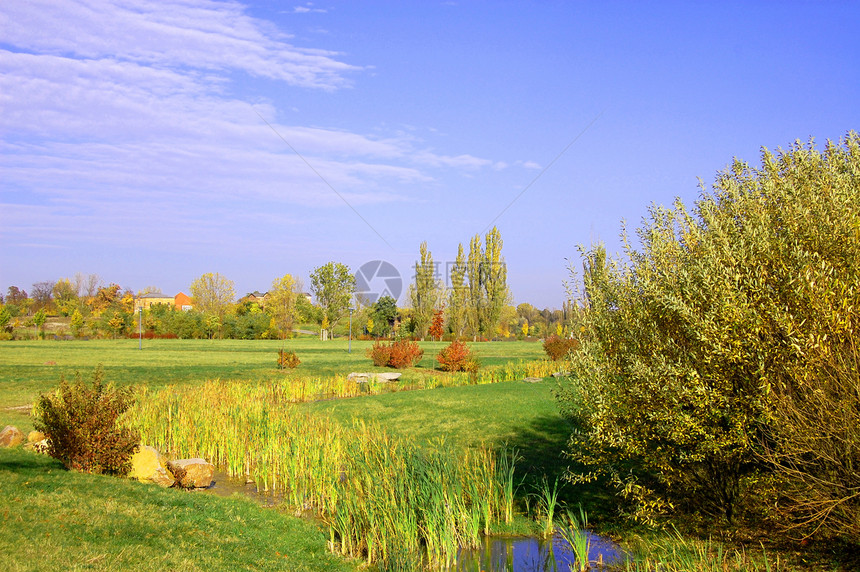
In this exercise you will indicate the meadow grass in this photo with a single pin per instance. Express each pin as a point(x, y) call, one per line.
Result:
point(28, 368)
point(55, 519)
point(384, 498)
point(387, 448)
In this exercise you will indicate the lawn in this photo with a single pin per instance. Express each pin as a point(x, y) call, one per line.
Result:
point(60, 520)
point(28, 368)
point(523, 416)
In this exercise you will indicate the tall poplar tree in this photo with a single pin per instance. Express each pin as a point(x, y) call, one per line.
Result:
point(488, 287)
point(425, 293)
point(458, 295)
point(495, 281)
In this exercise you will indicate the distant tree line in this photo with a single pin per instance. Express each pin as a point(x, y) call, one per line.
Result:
point(472, 302)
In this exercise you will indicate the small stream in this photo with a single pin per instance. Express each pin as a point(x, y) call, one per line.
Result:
point(498, 554)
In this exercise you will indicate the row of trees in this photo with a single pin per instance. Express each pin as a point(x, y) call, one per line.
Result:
point(478, 295)
point(475, 303)
point(718, 365)
point(91, 307)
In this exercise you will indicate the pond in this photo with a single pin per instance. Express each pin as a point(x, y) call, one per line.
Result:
point(535, 554)
point(498, 554)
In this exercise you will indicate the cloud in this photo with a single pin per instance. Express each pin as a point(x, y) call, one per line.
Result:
point(121, 123)
point(528, 164)
point(308, 8)
point(198, 34)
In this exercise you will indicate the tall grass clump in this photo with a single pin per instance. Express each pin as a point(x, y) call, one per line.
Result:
point(382, 497)
point(573, 530)
point(674, 553)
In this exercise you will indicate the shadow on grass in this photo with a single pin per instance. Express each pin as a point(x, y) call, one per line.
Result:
point(541, 447)
point(26, 464)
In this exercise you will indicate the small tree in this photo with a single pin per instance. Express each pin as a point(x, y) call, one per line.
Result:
point(437, 327)
point(80, 423)
point(332, 285)
point(5, 318)
point(39, 321)
point(77, 323)
point(281, 303)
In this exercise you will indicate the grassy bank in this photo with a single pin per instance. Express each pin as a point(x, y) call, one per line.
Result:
point(54, 519)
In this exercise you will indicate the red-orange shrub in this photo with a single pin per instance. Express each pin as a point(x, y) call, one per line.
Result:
point(457, 357)
point(556, 347)
point(397, 354)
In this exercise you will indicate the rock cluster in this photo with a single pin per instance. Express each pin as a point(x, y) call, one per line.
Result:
point(378, 377)
point(147, 464)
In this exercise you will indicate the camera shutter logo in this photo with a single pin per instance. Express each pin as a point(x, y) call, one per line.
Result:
point(376, 279)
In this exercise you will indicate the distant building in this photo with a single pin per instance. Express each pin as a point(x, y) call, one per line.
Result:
point(182, 302)
point(256, 297)
point(147, 301)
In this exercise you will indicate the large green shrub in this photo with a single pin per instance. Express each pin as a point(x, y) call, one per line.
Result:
point(686, 341)
point(80, 423)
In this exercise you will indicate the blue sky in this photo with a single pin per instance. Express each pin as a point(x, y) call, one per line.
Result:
point(151, 142)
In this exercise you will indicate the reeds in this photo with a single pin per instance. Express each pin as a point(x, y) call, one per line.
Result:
point(383, 498)
point(300, 389)
point(547, 502)
point(678, 554)
point(573, 531)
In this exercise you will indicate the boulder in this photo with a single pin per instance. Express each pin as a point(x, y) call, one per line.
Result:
point(192, 473)
point(35, 436)
point(148, 465)
point(378, 377)
point(533, 379)
point(11, 436)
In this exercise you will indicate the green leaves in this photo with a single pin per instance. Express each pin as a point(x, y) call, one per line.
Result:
point(685, 339)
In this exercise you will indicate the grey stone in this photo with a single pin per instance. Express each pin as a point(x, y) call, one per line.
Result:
point(378, 377)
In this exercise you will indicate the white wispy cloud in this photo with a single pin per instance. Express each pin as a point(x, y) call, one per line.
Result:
point(309, 7)
point(196, 33)
point(120, 116)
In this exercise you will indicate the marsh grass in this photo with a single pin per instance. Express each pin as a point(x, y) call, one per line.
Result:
point(380, 495)
point(677, 553)
point(572, 530)
point(547, 503)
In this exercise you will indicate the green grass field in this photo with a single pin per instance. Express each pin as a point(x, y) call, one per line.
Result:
point(519, 415)
point(55, 519)
point(28, 368)
point(86, 521)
